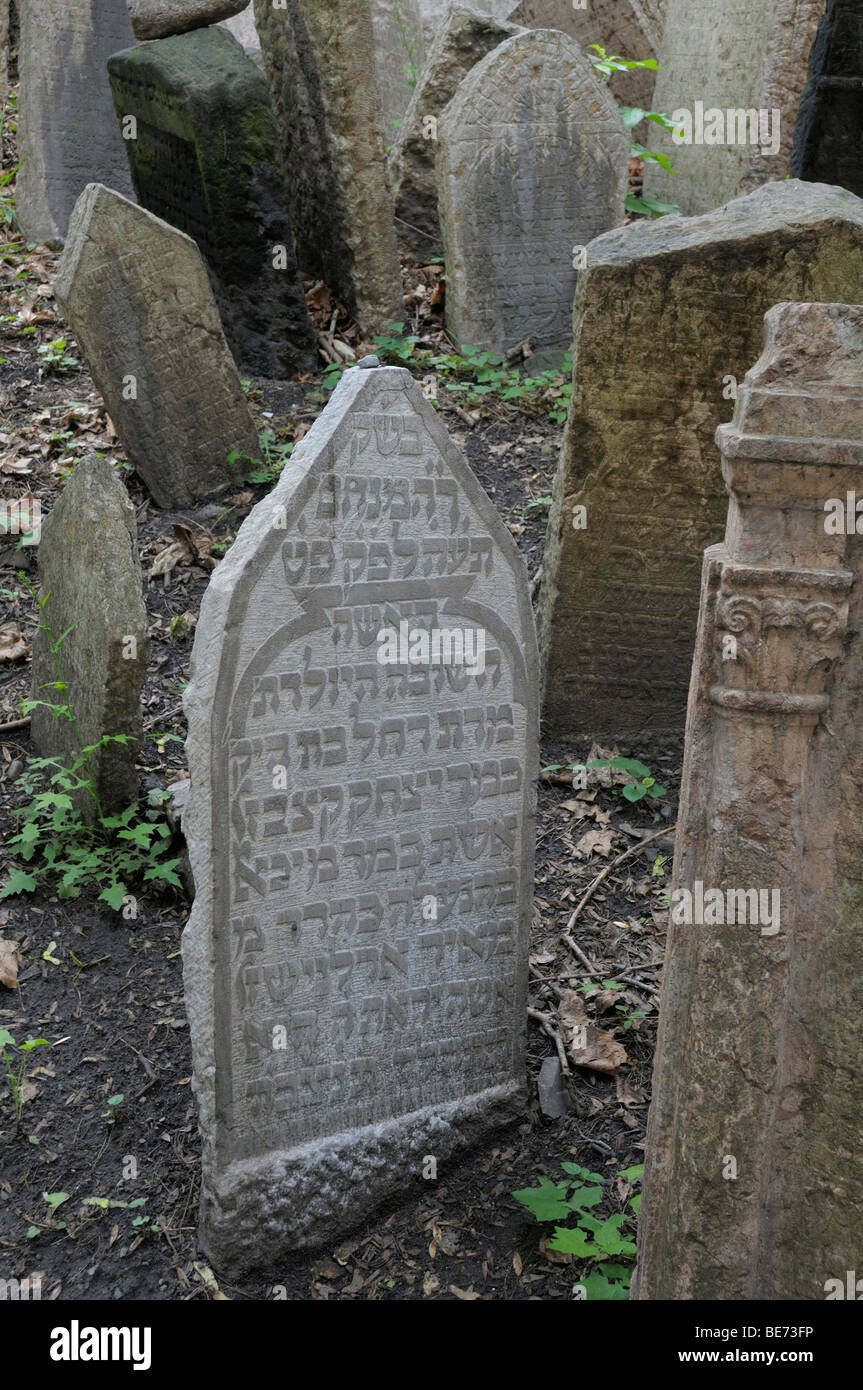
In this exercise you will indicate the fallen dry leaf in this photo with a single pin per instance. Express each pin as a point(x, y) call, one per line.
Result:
point(594, 842)
point(467, 1295)
point(626, 1094)
point(516, 1263)
point(13, 643)
point(587, 1045)
point(8, 963)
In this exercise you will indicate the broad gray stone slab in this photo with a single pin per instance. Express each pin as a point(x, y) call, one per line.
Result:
point(734, 56)
point(135, 293)
point(463, 40)
point(667, 316)
point(533, 161)
point(90, 572)
point(361, 830)
point(67, 133)
point(319, 60)
point(205, 158)
point(626, 28)
point(157, 19)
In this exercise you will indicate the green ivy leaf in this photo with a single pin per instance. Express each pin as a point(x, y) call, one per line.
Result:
point(547, 1202)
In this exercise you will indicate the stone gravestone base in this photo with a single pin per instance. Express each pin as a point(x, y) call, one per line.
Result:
point(361, 829)
point(205, 159)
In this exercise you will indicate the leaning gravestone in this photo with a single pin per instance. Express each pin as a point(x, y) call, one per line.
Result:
point(463, 40)
point(754, 1170)
point(135, 293)
point(830, 118)
point(319, 60)
point(156, 19)
point(204, 157)
point(67, 135)
point(738, 68)
point(91, 580)
point(667, 314)
point(532, 164)
point(362, 751)
point(625, 28)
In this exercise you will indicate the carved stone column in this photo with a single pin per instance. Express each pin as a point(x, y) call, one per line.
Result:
point(754, 1161)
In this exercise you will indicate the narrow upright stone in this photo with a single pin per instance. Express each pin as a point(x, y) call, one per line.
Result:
point(362, 751)
point(400, 48)
point(753, 1184)
point(827, 144)
point(205, 158)
point(157, 19)
point(462, 41)
point(628, 28)
point(90, 576)
point(135, 293)
point(532, 164)
point(67, 134)
point(724, 63)
point(320, 57)
point(667, 314)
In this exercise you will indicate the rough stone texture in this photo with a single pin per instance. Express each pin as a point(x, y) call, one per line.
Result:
point(158, 19)
point(760, 1049)
point(319, 56)
point(4, 49)
point(400, 785)
point(463, 40)
point(90, 571)
point(245, 31)
point(67, 134)
point(205, 159)
point(628, 28)
point(532, 162)
point(399, 58)
point(731, 55)
point(827, 134)
point(664, 313)
point(135, 293)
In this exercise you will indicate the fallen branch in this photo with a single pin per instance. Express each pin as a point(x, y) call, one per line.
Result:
point(544, 1020)
point(633, 849)
point(15, 724)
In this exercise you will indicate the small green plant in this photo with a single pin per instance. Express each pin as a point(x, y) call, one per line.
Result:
point(268, 465)
point(629, 1014)
point(606, 65)
point(659, 863)
point(603, 1244)
point(53, 1200)
point(591, 986)
point(15, 1057)
point(643, 784)
point(538, 504)
point(55, 358)
point(110, 1115)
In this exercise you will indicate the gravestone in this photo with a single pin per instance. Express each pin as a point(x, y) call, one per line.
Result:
point(4, 49)
point(360, 826)
point(532, 163)
point(754, 1171)
point(399, 57)
point(724, 63)
point(135, 293)
point(205, 158)
point(463, 40)
point(625, 28)
point(318, 59)
point(667, 314)
point(90, 575)
point(827, 133)
point(67, 135)
point(157, 19)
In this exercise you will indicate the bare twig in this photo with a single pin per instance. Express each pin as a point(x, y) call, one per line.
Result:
point(15, 724)
point(544, 1020)
point(633, 849)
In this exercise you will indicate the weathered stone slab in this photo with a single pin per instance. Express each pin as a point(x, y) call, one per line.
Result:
point(628, 28)
point(158, 19)
point(4, 49)
point(319, 58)
point(532, 162)
point(361, 829)
point(91, 577)
point(135, 293)
point(463, 40)
point(729, 56)
point(67, 134)
point(753, 1184)
point(205, 158)
point(826, 136)
point(399, 57)
point(667, 314)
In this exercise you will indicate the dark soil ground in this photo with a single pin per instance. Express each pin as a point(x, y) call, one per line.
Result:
point(107, 994)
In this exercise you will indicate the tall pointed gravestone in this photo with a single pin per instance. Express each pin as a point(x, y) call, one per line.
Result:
point(625, 28)
point(753, 1184)
point(67, 134)
point(737, 69)
point(667, 314)
point(532, 164)
point(320, 63)
point(362, 751)
point(830, 118)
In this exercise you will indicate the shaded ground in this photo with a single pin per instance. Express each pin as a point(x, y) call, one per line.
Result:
point(107, 992)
